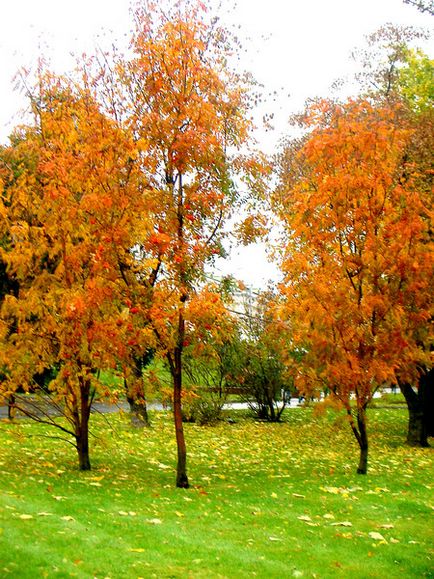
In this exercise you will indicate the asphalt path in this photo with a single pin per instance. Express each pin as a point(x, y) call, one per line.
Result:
point(43, 405)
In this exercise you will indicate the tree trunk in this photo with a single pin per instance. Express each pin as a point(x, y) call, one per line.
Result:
point(363, 441)
point(136, 395)
point(138, 412)
point(82, 442)
point(417, 432)
point(81, 419)
point(181, 469)
point(175, 364)
point(361, 434)
point(11, 407)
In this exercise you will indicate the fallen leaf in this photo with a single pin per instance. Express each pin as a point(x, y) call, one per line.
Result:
point(139, 550)
point(274, 539)
point(342, 524)
point(304, 518)
point(332, 490)
point(25, 517)
point(67, 518)
point(298, 496)
point(42, 514)
point(154, 521)
point(377, 536)
point(388, 526)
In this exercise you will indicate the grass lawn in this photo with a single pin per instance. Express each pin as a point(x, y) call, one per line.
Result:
point(267, 500)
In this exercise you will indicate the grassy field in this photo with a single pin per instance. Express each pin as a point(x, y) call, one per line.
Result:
point(267, 500)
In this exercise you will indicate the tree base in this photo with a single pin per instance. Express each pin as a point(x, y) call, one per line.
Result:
point(182, 482)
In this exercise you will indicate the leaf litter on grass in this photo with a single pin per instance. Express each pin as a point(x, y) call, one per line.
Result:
point(259, 493)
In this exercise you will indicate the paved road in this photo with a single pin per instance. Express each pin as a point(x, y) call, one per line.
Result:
point(107, 408)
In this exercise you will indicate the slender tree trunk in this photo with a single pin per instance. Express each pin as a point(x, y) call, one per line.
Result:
point(417, 432)
point(136, 396)
point(361, 434)
point(11, 407)
point(82, 425)
point(181, 469)
point(82, 442)
point(363, 442)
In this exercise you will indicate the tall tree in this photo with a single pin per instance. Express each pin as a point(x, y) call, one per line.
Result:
point(357, 256)
point(189, 115)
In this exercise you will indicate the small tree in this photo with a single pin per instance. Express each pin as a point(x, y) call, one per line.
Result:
point(255, 366)
point(65, 211)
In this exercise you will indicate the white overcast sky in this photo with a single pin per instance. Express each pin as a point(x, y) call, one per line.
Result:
point(296, 47)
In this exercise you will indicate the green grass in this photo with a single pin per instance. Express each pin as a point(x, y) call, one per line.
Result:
point(267, 500)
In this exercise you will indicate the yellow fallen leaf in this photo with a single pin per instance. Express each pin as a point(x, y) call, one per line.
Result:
point(25, 517)
point(43, 514)
point(123, 513)
point(342, 524)
point(296, 495)
point(387, 526)
point(377, 536)
point(274, 495)
point(304, 518)
point(154, 521)
point(67, 518)
point(332, 490)
point(139, 550)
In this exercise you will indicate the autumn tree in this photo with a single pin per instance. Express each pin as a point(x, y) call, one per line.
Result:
point(395, 71)
point(356, 255)
point(189, 116)
point(69, 200)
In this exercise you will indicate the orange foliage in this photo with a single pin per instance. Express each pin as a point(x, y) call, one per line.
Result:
point(357, 254)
